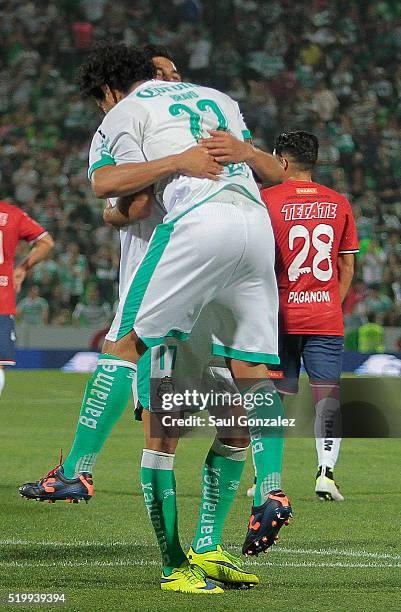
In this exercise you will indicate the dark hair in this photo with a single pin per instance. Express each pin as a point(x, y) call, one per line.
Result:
point(157, 51)
point(117, 65)
point(302, 147)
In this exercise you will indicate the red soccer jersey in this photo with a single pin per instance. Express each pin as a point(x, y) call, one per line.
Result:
point(15, 225)
point(312, 224)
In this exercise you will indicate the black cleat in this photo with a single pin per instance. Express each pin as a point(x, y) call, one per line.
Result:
point(265, 523)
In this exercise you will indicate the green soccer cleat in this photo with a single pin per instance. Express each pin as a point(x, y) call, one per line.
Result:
point(224, 567)
point(189, 578)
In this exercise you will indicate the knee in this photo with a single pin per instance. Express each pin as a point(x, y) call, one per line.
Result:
point(237, 442)
point(162, 445)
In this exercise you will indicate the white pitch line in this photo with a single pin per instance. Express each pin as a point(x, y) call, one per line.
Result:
point(334, 552)
point(129, 562)
point(369, 564)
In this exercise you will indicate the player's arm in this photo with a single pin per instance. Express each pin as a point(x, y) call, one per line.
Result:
point(129, 209)
point(348, 248)
point(125, 179)
point(226, 148)
point(346, 267)
point(117, 165)
point(39, 252)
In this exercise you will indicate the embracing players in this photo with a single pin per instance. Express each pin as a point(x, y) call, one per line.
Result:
point(15, 225)
point(316, 242)
point(189, 116)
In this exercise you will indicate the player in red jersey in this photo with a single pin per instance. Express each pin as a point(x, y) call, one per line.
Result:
point(316, 242)
point(15, 225)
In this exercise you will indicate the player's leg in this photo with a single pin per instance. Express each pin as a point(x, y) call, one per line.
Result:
point(159, 491)
point(106, 395)
point(7, 346)
point(221, 476)
point(271, 508)
point(182, 367)
point(323, 362)
point(157, 464)
point(290, 348)
point(249, 341)
point(267, 444)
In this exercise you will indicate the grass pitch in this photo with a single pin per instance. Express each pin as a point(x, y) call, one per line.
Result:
point(344, 557)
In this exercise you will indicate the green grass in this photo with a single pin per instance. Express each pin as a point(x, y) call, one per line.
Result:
point(103, 555)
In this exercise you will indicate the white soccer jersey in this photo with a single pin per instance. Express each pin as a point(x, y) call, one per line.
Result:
point(159, 119)
point(134, 241)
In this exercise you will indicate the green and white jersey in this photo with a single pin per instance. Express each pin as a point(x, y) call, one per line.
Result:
point(159, 119)
point(134, 239)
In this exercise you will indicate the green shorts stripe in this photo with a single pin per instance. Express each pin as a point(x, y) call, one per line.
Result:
point(143, 379)
point(173, 333)
point(226, 351)
point(140, 282)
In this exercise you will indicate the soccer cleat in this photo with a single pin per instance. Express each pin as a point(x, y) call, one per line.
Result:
point(326, 488)
point(224, 567)
point(55, 486)
point(265, 523)
point(189, 578)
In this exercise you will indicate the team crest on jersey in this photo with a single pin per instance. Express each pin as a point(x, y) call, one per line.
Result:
point(3, 219)
point(104, 146)
point(166, 386)
point(152, 92)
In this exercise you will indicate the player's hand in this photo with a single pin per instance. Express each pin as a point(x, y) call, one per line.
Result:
point(137, 206)
point(18, 278)
point(226, 148)
point(198, 163)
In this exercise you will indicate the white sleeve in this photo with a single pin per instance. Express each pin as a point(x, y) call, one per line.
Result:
point(119, 138)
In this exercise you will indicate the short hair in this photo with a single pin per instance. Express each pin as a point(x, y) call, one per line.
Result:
point(302, 147)
point(157, 51)
point(114, 64)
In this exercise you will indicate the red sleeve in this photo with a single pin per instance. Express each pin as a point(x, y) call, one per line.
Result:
point(28, 229)
point(349, 239)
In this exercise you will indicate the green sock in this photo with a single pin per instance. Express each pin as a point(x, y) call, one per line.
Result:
point(159, 491)
point(106, 396)
point(221, 477)
point(267, 444)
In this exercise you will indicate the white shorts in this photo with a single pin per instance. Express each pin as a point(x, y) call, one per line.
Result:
point(219, 253)
point(183, 366)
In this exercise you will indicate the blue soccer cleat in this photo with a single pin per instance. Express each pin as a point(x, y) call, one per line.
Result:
point(55, 486)
point(265, 523)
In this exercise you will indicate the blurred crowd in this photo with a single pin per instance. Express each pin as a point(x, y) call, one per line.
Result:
point(330, 67)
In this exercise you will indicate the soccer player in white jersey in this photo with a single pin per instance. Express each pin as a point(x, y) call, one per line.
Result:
point(215, 247)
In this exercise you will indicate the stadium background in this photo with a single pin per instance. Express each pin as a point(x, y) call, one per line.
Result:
point(329, 67)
